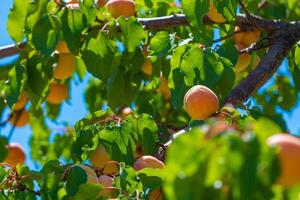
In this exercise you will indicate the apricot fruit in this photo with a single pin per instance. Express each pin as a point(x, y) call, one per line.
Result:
point(101, 3)
point(218, 128)
point(20, 118)
point(147, 67)
point(106, 181)
point(62, 48)
point(148, 162)
point(246, 37)
point(90, 173)
point(289, 160)
point(65, 67)
point(164, 89)
point(213, 14)
point(126, 112)
point(57, 93)
point(21, 102)
point(111, 168)
point(15, 154)
point(243, 62)
point(200, 102)
point(117, 8)
point(156, 195)
point(99, 157)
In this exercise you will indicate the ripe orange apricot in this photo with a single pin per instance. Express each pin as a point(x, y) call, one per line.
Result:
point(147, 67)
point(90, 173)
point(156, 195)
point(111, 168)
point(15, 154)
point(21, 102)
point(148, 162)
point(214, 15)
point(126, 112)
point(243, 62)
point(246, 37)
point(20, 118)
point(62, 47)
point(218, 128)
point(99, 157)
point(101, 3)
point(57, 93)
point(164, 89)
point(289, 160)
point(200, 102)
point(117, 8)
point(65, 67)
point(106, 181)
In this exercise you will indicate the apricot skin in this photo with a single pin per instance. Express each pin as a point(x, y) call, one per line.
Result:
point(214, 15)
point(246, 37)
point(21, 102)
point(164, 88)
point(148, 162)
point(147, 67)
point(91, 174)
point(22, 120)
point(65, 67)
point(243, 62)
point(117, 8)
point(101, 3)
point(57, 93)
point(99, 157)
point(15, 155)
point(200, 102)
point(62, 47)
point(156, 195)
point(126, 112)
point(289, 160)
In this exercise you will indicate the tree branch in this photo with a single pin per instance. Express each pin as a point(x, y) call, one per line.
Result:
point(164, 22)
point(10, 50)
point(281, 43)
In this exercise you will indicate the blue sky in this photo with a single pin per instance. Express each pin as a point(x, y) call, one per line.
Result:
point(75, 108)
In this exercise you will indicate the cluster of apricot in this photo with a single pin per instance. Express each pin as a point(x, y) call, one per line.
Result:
point(104, 171)
point(242, 38)
point(201, 103)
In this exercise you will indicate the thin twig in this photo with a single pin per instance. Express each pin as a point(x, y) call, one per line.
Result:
point(226, 37)
point(243, 8)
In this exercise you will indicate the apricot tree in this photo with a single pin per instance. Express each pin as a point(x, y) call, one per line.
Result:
point(175, 99)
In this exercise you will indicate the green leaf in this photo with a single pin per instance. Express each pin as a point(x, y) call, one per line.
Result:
point(151, 178)
point(296, 77)
point(100, 55)
point(76, 176)
point(145, 129)
point(37, 80)
point(120, 140)
point(131, 27)
point(16, 83)
point(161, 43)
point(36, 10)
point(195, 10)
point(87, 191)
point(3, 149)
point(45, 34)
point(128, 180)
point(16, 20)
point(297, 57)
point(212, 69)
